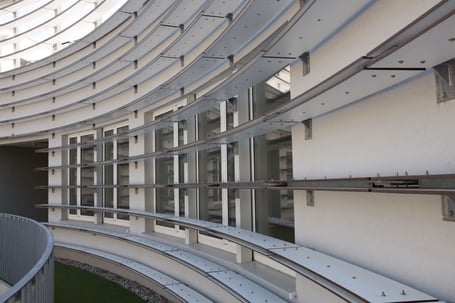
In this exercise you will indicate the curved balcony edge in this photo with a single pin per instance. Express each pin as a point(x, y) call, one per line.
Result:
point(35, 282)
point(313, 265)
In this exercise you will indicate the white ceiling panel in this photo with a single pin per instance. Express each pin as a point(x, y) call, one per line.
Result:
point(184, 12)
point(111, 69)
point(200, 69)
point(106, 27)
point(354, 89)
point(256, 16)
point(222, 8)
point(12, 4)
point(132, 6)
point(24, 85)
point(151, 42)
point(102, 30)
point(262, 69)
point(316, 24)
point(150, 71)
point(193, 109)
point(431, 48)
point(28, 16)
point(110, 47)
point(197, 34)
point(154, 10)
point(154, 96)
point(66, 71)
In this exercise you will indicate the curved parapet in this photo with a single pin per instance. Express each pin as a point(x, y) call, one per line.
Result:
point(26, 261)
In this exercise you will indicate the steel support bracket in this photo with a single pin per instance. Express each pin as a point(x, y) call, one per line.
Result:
point(448, 207)
point(445, 81)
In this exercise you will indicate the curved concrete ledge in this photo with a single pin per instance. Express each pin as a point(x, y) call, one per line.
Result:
point(159, 261)
point(344, 280)
point(163, 284)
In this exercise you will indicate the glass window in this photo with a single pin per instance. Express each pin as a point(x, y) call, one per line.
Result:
point(87, 174)
point(123, 199)
point(164, 173)
point(274, 211)
point(116, 174)
point(73, 174)
point(164, 170)
point(210, 199)
point(209, 123)
point(182, 191)
point(81, 174)
point(233, 194)
point(170, 170)
point(109, 174)
point(271, 93)
point(231, 108)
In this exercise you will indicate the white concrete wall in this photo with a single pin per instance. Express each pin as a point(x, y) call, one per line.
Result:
point(401, 236)
point(401, 130)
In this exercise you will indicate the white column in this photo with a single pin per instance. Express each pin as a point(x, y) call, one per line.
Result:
point(191, 235)
point(244, 204)
point(137, 175)
point(57, 177)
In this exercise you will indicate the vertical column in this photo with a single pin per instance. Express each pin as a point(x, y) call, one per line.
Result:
point(16, 58)
point(243, 168)
point(57, 28)
point(58, 178)
point(137, 174)
point(224, 166)
point(175, 138)
point(98, 202)
point(148, 167)
point(260, 171)
point(191, 235)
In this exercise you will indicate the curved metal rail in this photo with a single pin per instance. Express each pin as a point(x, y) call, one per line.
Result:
point(26, 261)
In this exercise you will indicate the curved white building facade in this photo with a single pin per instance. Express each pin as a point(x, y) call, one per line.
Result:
point(303, 149)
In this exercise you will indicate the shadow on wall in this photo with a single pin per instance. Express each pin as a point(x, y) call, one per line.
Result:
point(18, 181)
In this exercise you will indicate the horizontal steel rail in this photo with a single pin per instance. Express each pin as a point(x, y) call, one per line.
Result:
point(409, 184)
point(277, 250)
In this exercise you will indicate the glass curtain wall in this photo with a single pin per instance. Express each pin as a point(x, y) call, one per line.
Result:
point(87, 176)
point(81, 174)
point(164, 173)
point(182, 161)
point(170, 169)
point(233, 193)
point(209, 167)
point(72, 175)
point(123, 197)
point(274, 209)
point(116, 174)
point(109, 174)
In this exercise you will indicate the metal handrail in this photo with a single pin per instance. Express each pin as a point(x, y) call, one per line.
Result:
point(37, 284)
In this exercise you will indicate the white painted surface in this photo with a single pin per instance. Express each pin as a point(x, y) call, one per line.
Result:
point(401, 130)
point(367, 31)
point(3, 287)
point(400, 236)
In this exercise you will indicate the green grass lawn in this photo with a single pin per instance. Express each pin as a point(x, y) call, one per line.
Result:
point(74, 285)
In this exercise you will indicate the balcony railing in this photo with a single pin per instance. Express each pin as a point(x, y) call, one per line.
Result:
point(26, 260)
